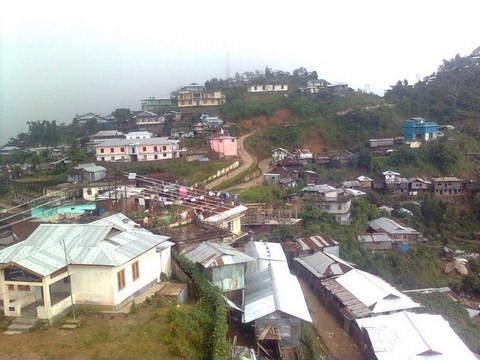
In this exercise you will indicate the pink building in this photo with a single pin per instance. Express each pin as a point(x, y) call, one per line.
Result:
point(224, 144)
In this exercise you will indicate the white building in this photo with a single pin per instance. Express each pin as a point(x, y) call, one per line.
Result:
point(100, 265)
point(130, 150)
point(406, 335)
point(139, 135)
point(267, 88)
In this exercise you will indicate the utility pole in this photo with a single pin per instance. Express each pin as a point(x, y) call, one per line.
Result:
point(68, 273)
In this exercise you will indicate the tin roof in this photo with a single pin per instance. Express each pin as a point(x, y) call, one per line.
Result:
point(406, 335)
point(374, 238)
point(126, 142)
point(265, 254)
point(209, 254)
point(226, 215)
point(364, 294)
point(316, 242)
point(111, 241)
point(324, 265)
point(274, 289)
point(391, 227)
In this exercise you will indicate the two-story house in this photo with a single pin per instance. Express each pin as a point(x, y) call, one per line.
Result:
point(419, 129)
point(149, 121)
point(224, 144)
point(137, 149)
point(447, 186)
point(195, 95)
point(395, 230)
point(417, 185)
point(333, 201)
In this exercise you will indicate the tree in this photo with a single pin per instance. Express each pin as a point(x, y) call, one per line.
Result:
point(122, 115)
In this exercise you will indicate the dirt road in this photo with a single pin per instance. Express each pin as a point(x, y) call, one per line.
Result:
point(340, 345)
point(246, 161)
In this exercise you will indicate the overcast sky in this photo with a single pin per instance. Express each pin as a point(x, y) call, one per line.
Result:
point(62, 58)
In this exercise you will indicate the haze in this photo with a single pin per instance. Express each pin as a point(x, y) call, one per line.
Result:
point(59, 59)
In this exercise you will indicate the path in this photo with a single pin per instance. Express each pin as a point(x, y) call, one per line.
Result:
point(340, 345)
point(246, 162)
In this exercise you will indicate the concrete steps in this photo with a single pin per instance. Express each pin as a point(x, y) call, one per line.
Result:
point(21, 325)
point(71, 324)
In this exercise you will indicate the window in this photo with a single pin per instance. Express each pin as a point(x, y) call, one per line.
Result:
point(112, 150)
point(145, 157)
point(164, 154)
point(155, 157)
point(155, 148)
point(164, 148)
point(122, 149)
point(89, 191)
point(144, 148)
point(102, 150)
point(121, 279)
point(112, 158)
point(133, 150)
point(11, 287)
point(135, 271)
point(23, 287)
point(102, 158)
point(339, 207)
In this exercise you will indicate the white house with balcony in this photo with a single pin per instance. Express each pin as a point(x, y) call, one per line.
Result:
point(101, 265)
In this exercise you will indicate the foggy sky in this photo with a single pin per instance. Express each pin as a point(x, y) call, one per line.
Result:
point(58, 59)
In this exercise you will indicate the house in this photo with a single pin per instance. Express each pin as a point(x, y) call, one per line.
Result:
point(419, 129)
point(281, 176)
point(316, 83)
point(102, 265)
point(337, 88)
point(86, 173)
point(358, 294)
point(352, 184)
point(224, 144)
point(180, 133)
point(279, 154)
point(267, 88)
point(365, 182)
point(138, 135)
point(333, 201)
point(390, 176)
point(417, 186)
point(157, 106)
point(395, 230)
point(322, 160)
point(340, 157)
point(399, 186)
point(130, 150)
point(8, 150)
point(273, 301)
point(223, 265)
point(229, 219)
point(380, 147)
point(318, 266)
point(211, 122)
point(149, 121)
point(310, 245)
point(90, 118)
point(303, 155)
point(407, 335)
point(447, 186)
point(375, 241)
point(195, 95)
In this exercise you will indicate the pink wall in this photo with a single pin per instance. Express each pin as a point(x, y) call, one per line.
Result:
point(225, 145)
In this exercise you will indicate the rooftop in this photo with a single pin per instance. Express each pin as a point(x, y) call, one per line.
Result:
point(209, 254)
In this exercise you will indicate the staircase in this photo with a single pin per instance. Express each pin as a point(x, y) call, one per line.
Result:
point(71, 324)
point(21, 325)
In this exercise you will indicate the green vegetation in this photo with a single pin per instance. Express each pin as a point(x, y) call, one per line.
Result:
point(200, 333)
point(466, 328)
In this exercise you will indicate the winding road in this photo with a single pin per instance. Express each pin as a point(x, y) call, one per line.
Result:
point(246, 161)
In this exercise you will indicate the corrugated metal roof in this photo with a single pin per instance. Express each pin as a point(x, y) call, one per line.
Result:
point(111, 241)
point(406, 335)
point(374, 238)
point(274, 289)
point(316, 242)
point(364, 294)
point(227, 214)
point(324, 265)
point(390, 226)
point(210, 254)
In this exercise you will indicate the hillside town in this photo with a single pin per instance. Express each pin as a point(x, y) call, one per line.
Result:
point(98, 228)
